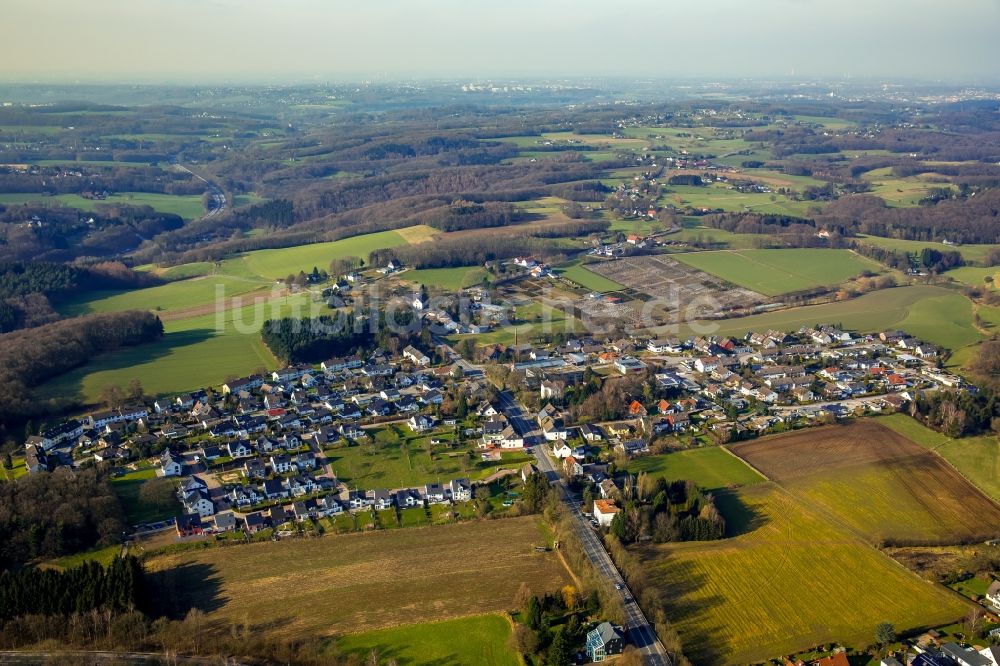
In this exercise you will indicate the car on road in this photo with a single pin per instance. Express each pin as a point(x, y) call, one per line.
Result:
point(618, 586)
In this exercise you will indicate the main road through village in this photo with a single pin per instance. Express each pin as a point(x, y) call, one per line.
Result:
point(640, 631)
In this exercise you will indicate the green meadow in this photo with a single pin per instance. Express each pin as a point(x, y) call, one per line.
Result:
point(588, 279)
point(775, 272)
point(453, 279)
point(478, 639)
point(976, 253)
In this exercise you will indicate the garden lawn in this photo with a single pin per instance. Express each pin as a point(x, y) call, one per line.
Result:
point(468, 640)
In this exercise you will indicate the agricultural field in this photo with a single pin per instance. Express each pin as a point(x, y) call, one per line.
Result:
point(976, 458)
point(188, 206)
point(722, 196)
point(361, 582)
point(710, 467)
point(588, 279)
point(791, 582)
point(976, 276)
point(467, 640)
point(775, 272)
point(974, 253)
point(719, 237)
point(877, 483)
point(944, 320)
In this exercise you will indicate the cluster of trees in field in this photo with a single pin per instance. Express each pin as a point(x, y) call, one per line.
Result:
point(928, 258)
point(655, 509)
point(463, 214)
point(544, 633)
point(315, 339)
point(960, 413)
point(43, 516)
point(30, 357)
point(117, 587)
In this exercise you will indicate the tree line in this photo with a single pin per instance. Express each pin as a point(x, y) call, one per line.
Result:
point(30, 357)
point(674, 511)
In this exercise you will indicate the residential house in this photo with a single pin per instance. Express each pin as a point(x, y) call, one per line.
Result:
point(603, 640)
point(604, 512)
point(171, 464)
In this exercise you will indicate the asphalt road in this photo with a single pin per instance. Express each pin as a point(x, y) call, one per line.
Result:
point(640, 631)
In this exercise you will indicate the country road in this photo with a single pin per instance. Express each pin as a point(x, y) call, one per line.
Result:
point(640, 631)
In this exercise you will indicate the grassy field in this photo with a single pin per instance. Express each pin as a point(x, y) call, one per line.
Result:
point(400, 460)
point(791, 582)
point(903, 192)
point(711, 467)
point(886, 308)
point(137, 511)
point(588, 279)
point(975, 276)
point(468, 640)
point(707, 235)
point(976, 458)
point(446, 278)
point(976, 253)
point(180, 295)
point(944, 320)
point(721, 196)
point(774, 272)
point(877, 483)
point(188, 206)
point(361, 582)
point(194, 352)
point(276, 264)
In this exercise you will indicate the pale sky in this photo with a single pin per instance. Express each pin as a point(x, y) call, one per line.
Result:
point(222, 41)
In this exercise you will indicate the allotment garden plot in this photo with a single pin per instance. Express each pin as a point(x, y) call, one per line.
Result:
point(664, 278)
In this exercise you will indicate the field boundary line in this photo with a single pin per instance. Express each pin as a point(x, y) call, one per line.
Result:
point(747, 463)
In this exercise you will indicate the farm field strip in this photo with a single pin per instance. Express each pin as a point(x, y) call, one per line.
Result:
point(876, 482)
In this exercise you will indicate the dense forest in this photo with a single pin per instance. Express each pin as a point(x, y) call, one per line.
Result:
point(30, 357)
point(117, 587)
point(43, 516)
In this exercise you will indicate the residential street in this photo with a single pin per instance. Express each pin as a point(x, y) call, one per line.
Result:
point(640, 631)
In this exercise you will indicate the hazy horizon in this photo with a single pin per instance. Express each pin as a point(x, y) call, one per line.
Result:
point(258, 41)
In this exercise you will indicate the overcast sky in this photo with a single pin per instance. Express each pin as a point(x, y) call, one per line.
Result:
point(301, 40)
